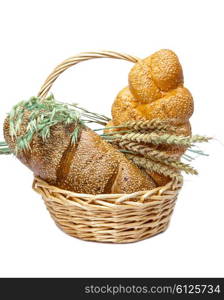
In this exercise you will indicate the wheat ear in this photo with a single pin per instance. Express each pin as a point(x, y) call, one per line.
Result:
point(146, 151)
point(158, 156)
point(155, 124)
point(157, 139)
point(153, 166)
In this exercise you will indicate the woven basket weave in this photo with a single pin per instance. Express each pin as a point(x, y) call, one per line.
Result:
point(114, 218)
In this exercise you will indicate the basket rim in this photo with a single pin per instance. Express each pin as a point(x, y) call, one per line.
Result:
point(40, 186)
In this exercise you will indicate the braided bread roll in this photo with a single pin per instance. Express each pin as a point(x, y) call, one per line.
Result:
point(90, 166)
point(156, 91)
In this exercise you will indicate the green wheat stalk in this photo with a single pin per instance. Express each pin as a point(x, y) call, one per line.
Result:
point(4, 149)
point(43, 115)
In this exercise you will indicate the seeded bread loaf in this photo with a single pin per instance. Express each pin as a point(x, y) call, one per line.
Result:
point(89, 166)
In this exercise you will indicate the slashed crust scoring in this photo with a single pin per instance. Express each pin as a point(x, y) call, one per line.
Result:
point(90, 166)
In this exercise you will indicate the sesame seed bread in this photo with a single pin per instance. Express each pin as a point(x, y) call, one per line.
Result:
point(90, 166)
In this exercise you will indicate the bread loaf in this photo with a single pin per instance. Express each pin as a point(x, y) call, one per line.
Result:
point(156, 91)
point(89, 166)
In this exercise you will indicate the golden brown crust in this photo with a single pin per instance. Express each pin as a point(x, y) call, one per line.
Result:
point(166, 70)
point(151, 77)
point(156, 91)
point(125, 108)
point(141, 83)
point(99, 168)
point(127, 179)
point(159, 179)
point(176, 104)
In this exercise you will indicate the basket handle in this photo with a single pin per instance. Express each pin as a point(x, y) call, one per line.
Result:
point(75, 60)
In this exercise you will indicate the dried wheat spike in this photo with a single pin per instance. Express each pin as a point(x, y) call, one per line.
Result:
point(153, 166)
point(154, 124)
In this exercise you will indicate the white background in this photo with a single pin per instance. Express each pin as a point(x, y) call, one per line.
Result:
point(35, 37)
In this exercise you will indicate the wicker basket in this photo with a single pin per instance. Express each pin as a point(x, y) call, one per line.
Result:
point(113, 218)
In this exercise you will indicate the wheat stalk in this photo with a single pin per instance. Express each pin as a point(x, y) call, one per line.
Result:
point(156, 155)
point(146, 151)
point(182, 166)
point(153, 166)
point(147, 125)
point(91, 117)
point(155, 125)
point(4, 149)
point(44, 115)
point(156, 139)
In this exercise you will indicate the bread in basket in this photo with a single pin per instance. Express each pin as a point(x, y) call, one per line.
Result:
point(120, 186)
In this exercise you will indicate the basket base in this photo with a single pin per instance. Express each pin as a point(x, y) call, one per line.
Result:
point(112, 240)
